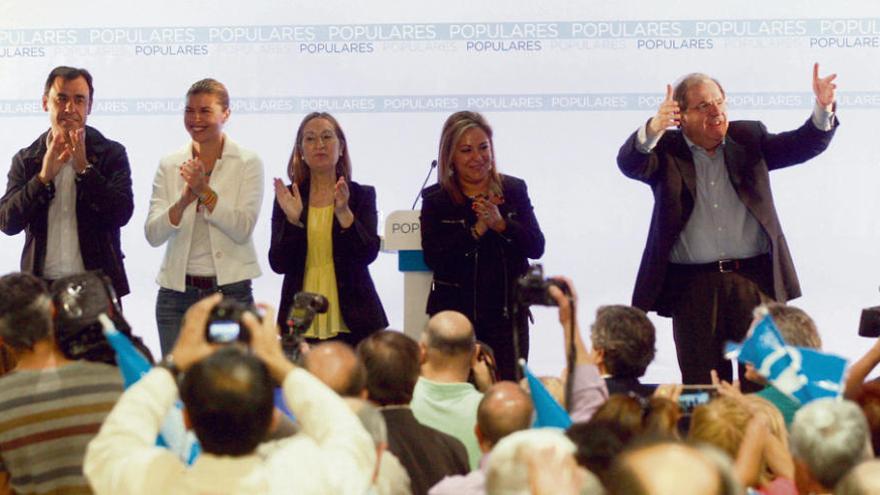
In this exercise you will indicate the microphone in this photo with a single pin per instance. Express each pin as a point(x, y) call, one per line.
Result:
point(433, 166)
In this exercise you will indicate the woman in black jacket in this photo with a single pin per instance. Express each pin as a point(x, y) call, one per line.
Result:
point(324, 234)
point(478, 232)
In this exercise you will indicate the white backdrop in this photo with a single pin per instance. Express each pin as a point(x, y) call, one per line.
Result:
point(562, 82)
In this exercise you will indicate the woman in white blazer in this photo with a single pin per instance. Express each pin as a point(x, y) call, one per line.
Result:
point(205, 203)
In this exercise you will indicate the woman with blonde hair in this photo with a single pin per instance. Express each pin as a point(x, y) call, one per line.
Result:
point(478, 232)
point(205, 203)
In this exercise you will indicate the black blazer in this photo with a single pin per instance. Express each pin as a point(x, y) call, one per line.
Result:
point(456, 257)
point(354, 249)
point(104, 203)
point(750, 153)
point(428, 455)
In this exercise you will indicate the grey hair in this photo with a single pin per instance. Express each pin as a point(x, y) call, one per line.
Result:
point(683, 85)
point(830, 436)
point(508, 472)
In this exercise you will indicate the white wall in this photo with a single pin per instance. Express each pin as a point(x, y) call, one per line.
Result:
point(609, 61)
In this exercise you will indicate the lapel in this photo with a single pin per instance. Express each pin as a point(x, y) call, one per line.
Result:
point(684, 159)
point(734, 156)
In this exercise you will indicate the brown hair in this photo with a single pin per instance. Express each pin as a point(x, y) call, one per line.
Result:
point(298, 171)
point(454, 128)
point(211, 87)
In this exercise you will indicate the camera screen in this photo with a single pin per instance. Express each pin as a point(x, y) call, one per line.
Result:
point(689, 400)
point(223, 331)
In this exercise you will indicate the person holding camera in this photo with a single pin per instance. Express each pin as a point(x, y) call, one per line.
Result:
point(227, 392)
point(324, 235)
point(478, 232)
point(205, 204)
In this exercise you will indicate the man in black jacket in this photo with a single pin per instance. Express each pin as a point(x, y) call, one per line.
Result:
point(70, 190)
point(715, 248)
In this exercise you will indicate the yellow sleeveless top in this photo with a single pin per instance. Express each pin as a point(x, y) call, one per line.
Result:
point(320, 276)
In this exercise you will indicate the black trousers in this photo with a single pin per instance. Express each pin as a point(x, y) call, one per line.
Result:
point(711, 308)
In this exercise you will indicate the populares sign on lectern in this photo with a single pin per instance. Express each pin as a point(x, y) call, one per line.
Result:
point(403, 235)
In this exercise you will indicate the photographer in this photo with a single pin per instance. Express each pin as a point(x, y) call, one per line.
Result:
point(227, 395)
point(49, 403)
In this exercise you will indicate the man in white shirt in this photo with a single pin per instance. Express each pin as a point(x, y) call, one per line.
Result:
point(227, 396)
point(70, 190)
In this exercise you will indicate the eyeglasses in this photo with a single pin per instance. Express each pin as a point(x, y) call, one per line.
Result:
point(705, 106)
point(313, 140)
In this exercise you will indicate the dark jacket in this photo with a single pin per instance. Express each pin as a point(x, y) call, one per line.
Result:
point(428, 455)
point(104, 203)
point(750, 152)
point(354, 249)
point(476, 277)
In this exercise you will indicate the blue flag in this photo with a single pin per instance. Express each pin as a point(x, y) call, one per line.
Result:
point(133, 365)
point(548, 412)
point(802, 374)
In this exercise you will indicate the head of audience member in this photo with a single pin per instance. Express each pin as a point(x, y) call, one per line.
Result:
point(320, 148)
point(467, 156)
point(703, 107)
point(504, 409)
point(447, 346)
point(337, 365)
point(228, 401)
point(863, 479)
point(868, 398)
point(668, 468)
point(598, 443)
point(636, 416)
point(67, 96)
point(392, 363)
point(206, 111)
point(722, 423)
point(795, 325)
point(26, 314)
point(517, 454)
point(623, 340)
point(828, 438)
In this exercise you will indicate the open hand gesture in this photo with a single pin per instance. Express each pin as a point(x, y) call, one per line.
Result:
point(289, 200)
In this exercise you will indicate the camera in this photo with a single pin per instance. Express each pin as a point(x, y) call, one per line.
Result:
point(869, 323)
point(306, 305)
point(78, 300)
point(532, 288)
point(225, 325)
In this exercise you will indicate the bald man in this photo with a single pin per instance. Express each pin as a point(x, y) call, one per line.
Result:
point(443, 398)
point(504, 409)
point(668, 468)
point(336, 364)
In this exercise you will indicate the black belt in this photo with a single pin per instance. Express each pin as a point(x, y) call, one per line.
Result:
point(201, 282)
point(725, 266)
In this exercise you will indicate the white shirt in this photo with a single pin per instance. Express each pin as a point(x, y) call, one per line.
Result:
point(331, 454)
point(63, 256)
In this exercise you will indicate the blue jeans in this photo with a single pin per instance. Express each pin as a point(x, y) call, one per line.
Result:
point(172, 305)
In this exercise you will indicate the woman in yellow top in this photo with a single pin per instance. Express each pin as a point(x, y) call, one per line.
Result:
point(324, 234)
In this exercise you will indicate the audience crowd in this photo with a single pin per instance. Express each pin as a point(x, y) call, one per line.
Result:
point(399, 416)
